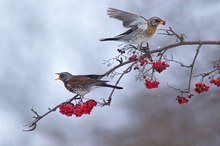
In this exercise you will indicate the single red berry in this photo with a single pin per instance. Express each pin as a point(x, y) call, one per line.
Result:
point(217, 82)
point(212, 80)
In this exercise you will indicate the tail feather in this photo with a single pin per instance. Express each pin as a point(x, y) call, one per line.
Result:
point(111, 86)
point(109, 39)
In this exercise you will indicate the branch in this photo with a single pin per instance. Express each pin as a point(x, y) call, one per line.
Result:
point(33, 125)
point(108, 101)
point(170, 32)
point(116, 67)
point(144, 53)
point(192, 66)
point(185, 43)
point(206, 74)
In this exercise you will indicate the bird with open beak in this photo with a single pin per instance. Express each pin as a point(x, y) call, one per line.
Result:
point(83, 84)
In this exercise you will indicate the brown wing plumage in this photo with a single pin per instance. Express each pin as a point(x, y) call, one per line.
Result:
point(83, 81)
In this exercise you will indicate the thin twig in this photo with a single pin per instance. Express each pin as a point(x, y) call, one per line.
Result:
point(184, 43)
point(206, 74)
point(108, 102)
point(170, 32)
point(178, 62)
point(192, 66)
point(33, 125)
point(116, 67)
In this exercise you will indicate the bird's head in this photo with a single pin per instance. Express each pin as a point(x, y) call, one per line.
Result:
point(155, 21)
point(64, 76)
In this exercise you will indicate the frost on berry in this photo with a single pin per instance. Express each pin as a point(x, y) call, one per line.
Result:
point(200, 87)
point(78, 110)
point(150, 84)
point(215, 81)
point(160, 66)
point(182, 99)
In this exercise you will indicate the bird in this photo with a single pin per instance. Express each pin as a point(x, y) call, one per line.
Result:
point(83, 84)
point(140, 29)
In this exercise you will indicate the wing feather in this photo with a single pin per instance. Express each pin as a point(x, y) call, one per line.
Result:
point(129, 20)
point(83, 81)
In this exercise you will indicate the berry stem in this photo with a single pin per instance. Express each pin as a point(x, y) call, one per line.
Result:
point(192, 66)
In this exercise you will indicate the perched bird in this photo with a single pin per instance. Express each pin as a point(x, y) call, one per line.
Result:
point(83, 84)
point(141, 29)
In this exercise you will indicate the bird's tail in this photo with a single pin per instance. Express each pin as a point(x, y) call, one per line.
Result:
point(111, 86)
point(110, 39)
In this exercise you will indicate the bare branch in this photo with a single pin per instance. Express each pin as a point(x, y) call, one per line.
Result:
point(32, 125)
point(185, 43)
point(203, 75)
point(192, 66)
point(170, 32)
point(108, 101)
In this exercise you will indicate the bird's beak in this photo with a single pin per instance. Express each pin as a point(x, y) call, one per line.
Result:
point(58, 77)
point(163, 22)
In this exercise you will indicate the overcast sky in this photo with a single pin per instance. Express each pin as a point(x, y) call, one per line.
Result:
point(41, 37)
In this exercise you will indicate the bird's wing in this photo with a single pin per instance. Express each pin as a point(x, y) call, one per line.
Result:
point(83, 81)
point(94, 76)
point(129, 20)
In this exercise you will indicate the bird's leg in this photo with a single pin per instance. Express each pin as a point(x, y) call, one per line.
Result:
point(81, 98)
point(143, 48)
point(139, 47)
point(146, 50)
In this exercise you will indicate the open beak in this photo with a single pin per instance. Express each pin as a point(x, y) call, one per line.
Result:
point(58, 77)
point(163, 22)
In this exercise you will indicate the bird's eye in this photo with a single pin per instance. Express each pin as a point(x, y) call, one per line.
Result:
point(157, 21)
point(62, 75)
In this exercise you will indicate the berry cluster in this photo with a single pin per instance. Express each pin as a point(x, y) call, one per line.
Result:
point(143, 62)
point(183, 100)
point(200, 87)
point(159, 66)
point(215, 82)
point(150, 84)
point(78, 110)
point(66, 109)
point(133, 58)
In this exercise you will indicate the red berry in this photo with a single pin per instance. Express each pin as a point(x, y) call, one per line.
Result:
point(150, 84)
point(133, 58)
point(200, 87)
point(212, 81)
point(159, 66)
point(215, 82)
point(78, 110)
point(182, 100)
point(143, 62)
point(66, 109)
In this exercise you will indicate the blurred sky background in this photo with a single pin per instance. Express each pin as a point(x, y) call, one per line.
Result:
point(41, 37)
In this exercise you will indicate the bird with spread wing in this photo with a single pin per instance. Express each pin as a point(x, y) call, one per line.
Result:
point(140, 28)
